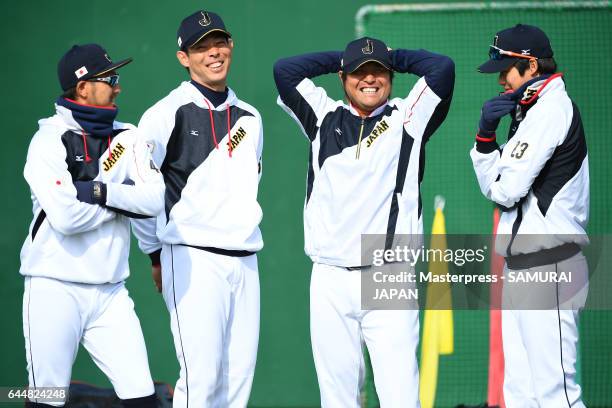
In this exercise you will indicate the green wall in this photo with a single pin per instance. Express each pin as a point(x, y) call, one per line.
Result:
point(35, 34)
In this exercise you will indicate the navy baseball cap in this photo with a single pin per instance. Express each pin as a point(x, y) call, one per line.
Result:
point(198, 25)
point(521, 39)
point(83, 62)
point(364, 50)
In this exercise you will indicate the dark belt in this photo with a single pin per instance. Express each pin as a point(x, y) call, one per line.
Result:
point(543, 257)
point(226, 252)
point(356, 268)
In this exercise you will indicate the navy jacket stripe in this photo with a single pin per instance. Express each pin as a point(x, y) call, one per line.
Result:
point(563, 165)
point(303, 111)
point(402, 170)
point(187, 150)
point(39, 220)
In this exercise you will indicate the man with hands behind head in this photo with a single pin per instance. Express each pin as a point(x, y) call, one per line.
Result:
point(365, 169)
point(540, 181)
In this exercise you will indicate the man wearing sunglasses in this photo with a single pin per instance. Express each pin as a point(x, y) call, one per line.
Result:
point(87, 175)
point(540, 180)
point(208, 144)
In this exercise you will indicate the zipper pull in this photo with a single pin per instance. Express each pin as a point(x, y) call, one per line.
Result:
point(359, 141)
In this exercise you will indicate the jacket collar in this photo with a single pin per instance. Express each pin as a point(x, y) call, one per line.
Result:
point(196, 96)
point(97, 121)
point(375, 112)
point(540, 86)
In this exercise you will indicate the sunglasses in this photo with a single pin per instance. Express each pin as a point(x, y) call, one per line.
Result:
point(112, 80)
point(496, 53)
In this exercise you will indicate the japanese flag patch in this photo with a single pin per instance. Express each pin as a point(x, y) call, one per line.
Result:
point(80, 72)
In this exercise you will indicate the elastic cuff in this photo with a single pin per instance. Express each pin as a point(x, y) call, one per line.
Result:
point(155, 258)
point(481, 138)
point(485, 134)
point(486, 147)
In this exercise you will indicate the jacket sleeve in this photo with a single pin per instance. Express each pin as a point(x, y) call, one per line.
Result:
point(46, 172)
point(145, 231)
point(438, 70)
point(428, 102)
point(260, 142)
point(146, 196)
point(154, 130)
point(298, 96)
point(507, 177)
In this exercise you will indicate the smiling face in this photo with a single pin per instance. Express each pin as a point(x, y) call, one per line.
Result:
point(209, 60)
point(368, 87)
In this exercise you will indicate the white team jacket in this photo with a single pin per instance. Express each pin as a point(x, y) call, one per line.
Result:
point(211, 193)
point(367, 188)
point(541, 175)
point(74, 241)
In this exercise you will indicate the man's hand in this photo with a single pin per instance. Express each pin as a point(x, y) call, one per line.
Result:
point(156, 273)
point(492, 111)
point(91, 192)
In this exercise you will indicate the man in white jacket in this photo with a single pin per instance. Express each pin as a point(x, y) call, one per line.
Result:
point(208, 144)
point(87, 175)
point(540, 181)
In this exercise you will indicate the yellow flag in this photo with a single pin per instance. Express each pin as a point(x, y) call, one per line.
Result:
point(438, 321)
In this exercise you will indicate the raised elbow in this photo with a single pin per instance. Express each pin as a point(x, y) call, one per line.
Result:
point(447, 66)
point(443, 81)
point(282, 77)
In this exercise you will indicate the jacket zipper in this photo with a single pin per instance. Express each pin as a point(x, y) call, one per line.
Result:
point(359, 142)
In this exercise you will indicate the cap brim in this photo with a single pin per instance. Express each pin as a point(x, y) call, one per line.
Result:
point(113, 67)
point(198, 39)
point(351, 69)
point(493, 66)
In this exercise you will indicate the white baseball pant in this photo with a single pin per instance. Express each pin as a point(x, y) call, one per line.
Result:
point(59, 315)
point(540, 346)
point(213, 302)
point(338, 327)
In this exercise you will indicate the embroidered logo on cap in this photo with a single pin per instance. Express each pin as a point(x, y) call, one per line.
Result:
point(108, 59)
point(180, 42)
point(80, 72)
point(369, 48)
point(205, 20)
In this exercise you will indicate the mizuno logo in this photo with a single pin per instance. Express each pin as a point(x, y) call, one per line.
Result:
point(338, 131)
point(78, 158)
point(194, 133)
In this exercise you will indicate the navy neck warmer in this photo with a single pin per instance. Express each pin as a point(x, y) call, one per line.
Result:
point(532, 81)
point(217, 98)
point(96, 121)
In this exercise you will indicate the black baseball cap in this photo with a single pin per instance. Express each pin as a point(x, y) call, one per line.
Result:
point(364, 50)
point(198, 25)
point(83, 62)
point(521, 39)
